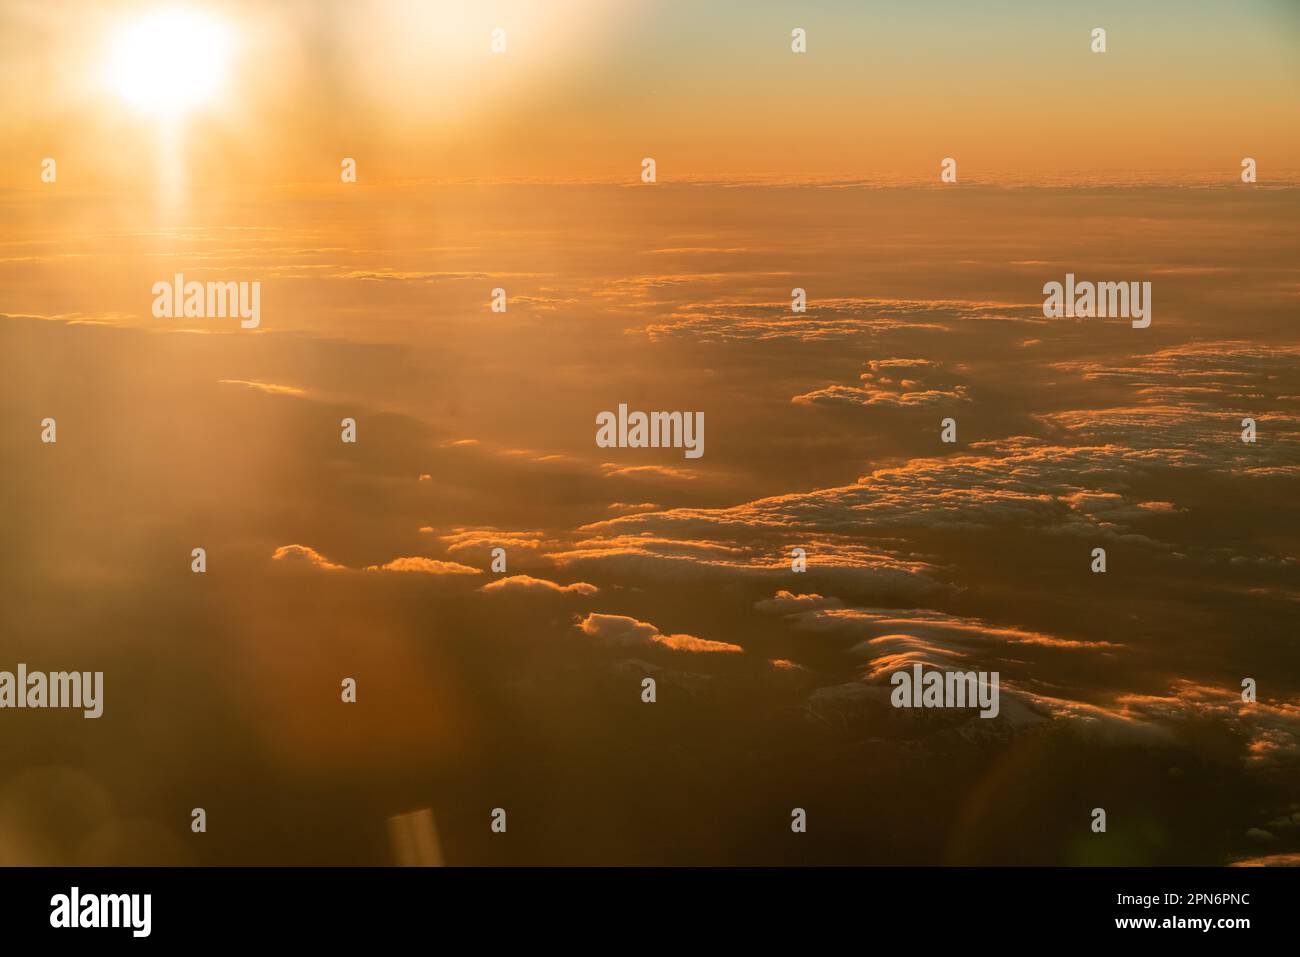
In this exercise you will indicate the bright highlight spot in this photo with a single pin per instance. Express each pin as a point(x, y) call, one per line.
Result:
point(169, 61)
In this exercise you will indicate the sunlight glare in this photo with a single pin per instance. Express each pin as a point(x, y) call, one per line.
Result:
point(169, 61)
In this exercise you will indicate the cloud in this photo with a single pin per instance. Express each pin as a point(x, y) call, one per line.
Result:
point(1269, 733)
point(894, 383)
point(1269, 860)
point(785, 603)
point(268, 387)
point(735, 549)
point(1025, 485)
point(304, 553)
point(1184, 437)
point(624, 632)
point(460, 539)
point(894, 638)
point(527, 583)
point(395, 275)
point(1207, 374)
point(691, 643)
point(832, 319)
point(954, 628)
point(618, 630)
point(613, 469)
point(426, 566)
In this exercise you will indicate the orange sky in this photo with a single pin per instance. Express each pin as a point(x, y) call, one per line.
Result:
point(584, 90)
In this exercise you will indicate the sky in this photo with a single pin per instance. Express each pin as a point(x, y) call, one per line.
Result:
point(586, 89)
point(522, 689)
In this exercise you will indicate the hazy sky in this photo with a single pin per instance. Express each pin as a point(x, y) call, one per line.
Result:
point(586, 89)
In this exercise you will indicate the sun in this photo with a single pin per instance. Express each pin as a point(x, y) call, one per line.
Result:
point(168, 62)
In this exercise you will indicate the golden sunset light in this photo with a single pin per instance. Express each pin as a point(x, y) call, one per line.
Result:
point(653, 433)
